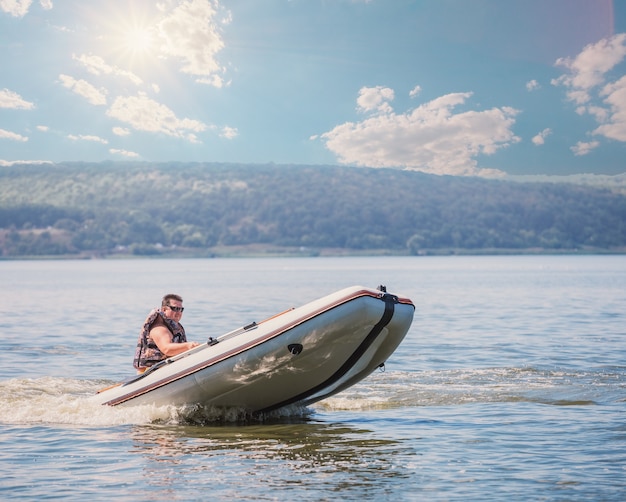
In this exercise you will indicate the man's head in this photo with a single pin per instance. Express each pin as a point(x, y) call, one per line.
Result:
point(172, 306)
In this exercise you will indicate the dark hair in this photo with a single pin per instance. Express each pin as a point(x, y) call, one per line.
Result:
point(166, 299)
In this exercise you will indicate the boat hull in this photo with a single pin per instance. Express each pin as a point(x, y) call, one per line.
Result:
point(298, 357)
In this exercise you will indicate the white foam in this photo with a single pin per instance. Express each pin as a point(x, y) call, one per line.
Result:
point(51, 400)
point(66, 401)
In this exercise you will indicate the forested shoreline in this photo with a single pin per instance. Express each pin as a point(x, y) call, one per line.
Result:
point(195, 209)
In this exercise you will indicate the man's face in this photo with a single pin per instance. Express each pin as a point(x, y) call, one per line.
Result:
point(173, 310)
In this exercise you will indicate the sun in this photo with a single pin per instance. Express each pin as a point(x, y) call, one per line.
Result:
point(138, 41)
point(135, 45)
point(127, 35)
point(133, 39)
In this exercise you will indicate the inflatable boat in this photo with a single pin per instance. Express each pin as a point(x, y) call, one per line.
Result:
point(297, 357)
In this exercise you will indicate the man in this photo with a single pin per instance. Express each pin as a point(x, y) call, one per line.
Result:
point(162, 335)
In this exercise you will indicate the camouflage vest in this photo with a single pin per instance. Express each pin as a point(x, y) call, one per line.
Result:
point(147, 353)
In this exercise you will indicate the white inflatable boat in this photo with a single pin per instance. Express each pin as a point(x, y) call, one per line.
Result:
point(299, 357)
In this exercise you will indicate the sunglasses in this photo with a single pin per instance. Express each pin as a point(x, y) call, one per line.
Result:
point(175, 309)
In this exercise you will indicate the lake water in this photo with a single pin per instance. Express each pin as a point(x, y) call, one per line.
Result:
point(511, 384)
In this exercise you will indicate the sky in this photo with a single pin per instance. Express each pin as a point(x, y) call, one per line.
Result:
point(451, 87)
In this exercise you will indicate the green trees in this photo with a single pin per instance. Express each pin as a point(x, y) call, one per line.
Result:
point(150, 209)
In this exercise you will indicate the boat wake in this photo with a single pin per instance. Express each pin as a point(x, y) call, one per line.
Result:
point(398, 389)
point(52, 400)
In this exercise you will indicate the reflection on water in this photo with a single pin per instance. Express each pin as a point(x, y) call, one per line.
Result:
point(326, 456)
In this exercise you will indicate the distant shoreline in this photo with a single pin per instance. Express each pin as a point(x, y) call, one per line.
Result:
point(213, 210)
point(259, 251)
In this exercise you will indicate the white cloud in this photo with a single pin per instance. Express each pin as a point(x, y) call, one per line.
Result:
point(84, 89)
point(587, 69)
point(145, 114)
point(532, 85)
point(4, 134)
point(124, 153)
point(19, 8)
point(415, 91)
point(540, 138)
point(214, 80)
point(43, 128)
point(10, 99)
point(600, 113)
point(81, 137)
point(430, 138)
point(375, 98)
point(583, 148)
point(97, 66)
point(229, 132)
point(121, 131)
point(190, 34)
point(9, 163)
point(587, 86)
point(615, 123)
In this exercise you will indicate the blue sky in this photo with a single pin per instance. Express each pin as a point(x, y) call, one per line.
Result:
point(460, 87)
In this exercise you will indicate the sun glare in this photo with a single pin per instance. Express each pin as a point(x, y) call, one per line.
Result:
point(139, 40)
point(131, 37)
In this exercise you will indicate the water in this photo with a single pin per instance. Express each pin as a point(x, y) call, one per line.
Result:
point(511, 384)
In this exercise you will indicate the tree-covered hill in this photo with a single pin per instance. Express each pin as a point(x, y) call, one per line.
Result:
point(87, 209)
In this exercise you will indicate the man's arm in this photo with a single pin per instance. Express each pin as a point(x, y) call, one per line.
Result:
point(162, 337)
